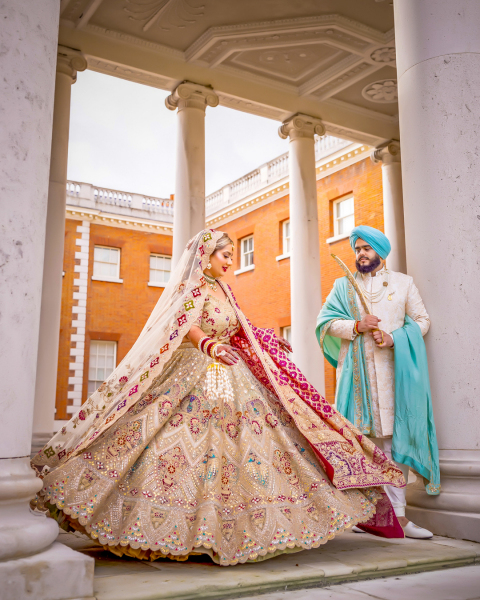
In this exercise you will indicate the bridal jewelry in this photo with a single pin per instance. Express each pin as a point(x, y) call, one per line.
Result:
point(211, 282)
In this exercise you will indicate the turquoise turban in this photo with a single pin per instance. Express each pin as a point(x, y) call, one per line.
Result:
point(374, 237)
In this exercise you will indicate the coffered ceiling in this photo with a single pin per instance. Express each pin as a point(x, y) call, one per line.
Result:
point(333, 59)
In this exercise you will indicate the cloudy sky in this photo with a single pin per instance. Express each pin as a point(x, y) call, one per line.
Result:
point(123, 137)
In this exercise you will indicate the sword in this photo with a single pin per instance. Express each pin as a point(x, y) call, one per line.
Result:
point(353, 281)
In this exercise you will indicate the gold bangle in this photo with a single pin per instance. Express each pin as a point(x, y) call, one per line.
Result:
point(199, 343)
point(212, 350)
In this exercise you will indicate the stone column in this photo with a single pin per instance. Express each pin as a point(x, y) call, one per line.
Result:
point(389, 156)
point(191, 100)
point(68, 63)
point(30, 566)
point(305, 284)
point(438, 62)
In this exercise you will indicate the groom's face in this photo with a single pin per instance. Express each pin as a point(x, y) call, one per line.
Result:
point(366, 259)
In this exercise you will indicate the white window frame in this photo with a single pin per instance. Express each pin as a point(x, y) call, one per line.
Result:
point(285, 239)
point(244, 267)
point(112, 344)
point(96, 276)
point(336, 235)
point(158, 283)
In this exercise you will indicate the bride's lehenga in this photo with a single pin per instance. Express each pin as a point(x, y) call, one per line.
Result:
point(235, 478)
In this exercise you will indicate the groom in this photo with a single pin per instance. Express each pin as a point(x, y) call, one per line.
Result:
point(382, 373)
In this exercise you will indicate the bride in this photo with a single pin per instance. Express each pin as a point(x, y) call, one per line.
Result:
point(208, 439)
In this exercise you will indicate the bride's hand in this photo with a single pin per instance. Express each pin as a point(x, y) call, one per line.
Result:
point(285, 345)
point(226, 354)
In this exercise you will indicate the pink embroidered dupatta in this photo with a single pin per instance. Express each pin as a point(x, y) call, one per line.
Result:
point(349, 459)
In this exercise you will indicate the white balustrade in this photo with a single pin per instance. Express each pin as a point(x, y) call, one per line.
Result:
point(267, 174)
point(89, 196)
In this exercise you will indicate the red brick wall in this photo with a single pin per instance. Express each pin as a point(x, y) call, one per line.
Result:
point(118, 311)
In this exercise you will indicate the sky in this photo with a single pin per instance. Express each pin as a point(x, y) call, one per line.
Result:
point(123, 137)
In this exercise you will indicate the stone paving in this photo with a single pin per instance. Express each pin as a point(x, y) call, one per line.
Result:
point(349, 558)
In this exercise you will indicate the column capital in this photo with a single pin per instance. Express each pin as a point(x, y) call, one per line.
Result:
point(301, 126)
point(387, 153)
point(191, 95)
point(70, 61)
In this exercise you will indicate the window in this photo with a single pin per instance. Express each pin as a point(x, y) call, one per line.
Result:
point(103, 359)
point(343, 216)
point(106, 263)
point(286, 237)
point(160, 268)
point(247, 252)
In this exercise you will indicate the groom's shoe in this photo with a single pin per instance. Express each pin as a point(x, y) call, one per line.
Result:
point(414, 531)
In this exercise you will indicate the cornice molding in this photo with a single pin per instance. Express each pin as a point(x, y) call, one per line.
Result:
point(191, 95)
point(301, 126)
point(97, 217)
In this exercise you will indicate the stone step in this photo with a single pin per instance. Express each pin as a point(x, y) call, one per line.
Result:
point(349, 557)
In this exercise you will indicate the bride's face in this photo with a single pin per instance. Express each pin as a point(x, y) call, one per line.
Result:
point(221, 261)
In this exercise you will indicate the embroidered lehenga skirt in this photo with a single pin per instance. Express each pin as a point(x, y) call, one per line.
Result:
point(185, 472)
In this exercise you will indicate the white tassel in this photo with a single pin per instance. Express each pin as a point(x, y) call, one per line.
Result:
point(219, 388)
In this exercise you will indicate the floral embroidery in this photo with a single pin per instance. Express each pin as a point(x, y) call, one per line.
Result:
point(174, 334)
point(164, 348)
point(134, 390)
point(188, 306)
point(155, 361)
point(182, 320)
point(143, 377)
point(123, 379)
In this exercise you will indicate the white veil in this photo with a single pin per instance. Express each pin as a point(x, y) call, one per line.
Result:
point(176, 310)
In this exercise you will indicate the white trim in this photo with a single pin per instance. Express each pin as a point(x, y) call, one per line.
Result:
point(244, 270)
point(284, 237)
point(108, 280)
point(282, 256)
point(337, 238)
point(155, 284)
point(251, 252)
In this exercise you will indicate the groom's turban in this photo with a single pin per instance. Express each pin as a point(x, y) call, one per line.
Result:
point(375, 238)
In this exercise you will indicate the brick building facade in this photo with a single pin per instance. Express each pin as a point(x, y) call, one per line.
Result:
point(103, 315)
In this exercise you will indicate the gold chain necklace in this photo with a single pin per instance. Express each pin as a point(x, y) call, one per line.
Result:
point(374, 297)
point(211, 282)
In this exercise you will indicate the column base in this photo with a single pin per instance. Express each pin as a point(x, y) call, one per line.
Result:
point(455, 512)
point(57, 573)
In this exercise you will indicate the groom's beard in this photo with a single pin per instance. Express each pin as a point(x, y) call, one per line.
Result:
point(368, 268)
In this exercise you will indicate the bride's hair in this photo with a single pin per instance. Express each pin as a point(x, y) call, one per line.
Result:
point(223, 241)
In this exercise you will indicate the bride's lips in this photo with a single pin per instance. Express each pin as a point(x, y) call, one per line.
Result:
point(225, 269)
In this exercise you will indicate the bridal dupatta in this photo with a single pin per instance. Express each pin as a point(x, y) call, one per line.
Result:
point(349, 459)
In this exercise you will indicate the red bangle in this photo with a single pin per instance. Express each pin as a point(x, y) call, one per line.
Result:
point(208, 346)
point(356, 327)
point(203, 342)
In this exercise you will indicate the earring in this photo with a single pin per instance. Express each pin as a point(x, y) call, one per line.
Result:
point(209, 266)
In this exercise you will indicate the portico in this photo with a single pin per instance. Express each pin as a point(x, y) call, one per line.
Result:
point(320, 67)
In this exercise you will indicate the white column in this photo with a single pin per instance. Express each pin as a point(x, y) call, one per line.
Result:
point(305, 284)
point(68, 63)
point(438, 61)
point(30, 566)
point(191, 100)
point(389, 156)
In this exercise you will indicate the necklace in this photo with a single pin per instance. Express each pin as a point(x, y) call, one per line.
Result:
point(371, 296)
point(211, 282)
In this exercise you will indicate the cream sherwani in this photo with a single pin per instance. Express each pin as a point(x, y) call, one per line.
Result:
point(401, 297)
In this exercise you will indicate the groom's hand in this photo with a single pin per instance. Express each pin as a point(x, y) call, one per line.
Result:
point(368, 323)
point(382, 339)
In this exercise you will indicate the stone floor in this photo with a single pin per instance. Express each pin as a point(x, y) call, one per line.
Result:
point(349, 558)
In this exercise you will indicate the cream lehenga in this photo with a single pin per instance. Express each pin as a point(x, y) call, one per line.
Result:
point(176, 454)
